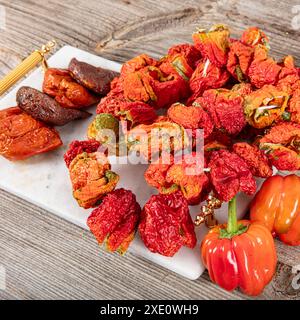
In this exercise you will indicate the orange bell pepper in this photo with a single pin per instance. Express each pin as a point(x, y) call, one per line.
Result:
point(277, 206)
point(239, 254)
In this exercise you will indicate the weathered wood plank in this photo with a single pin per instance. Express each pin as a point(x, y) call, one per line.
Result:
point(47, 257)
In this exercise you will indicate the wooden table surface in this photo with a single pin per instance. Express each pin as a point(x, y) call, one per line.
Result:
point(48, 258)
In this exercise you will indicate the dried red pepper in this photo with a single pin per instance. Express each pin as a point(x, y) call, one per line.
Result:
point(265, 106)
point(137, 63)
point(67, 92)
point(154, 139)
point(253, 36)
point(115, 221)
point(77, 147)
point(242, 88)
point(288, 79)
point(91, 178)
point(43, 108)
point(94, 78)
point(255, 158)
point(21, 136)
point(263, 69)
point(282, 146)
point(135, 112)
point(207, 76)
point(230, 174)
point(294, 107)
point(182, 59)
point(240, 57)
point(225, 108)
point(151, 85)
point(104, 128)
point(182, 173)
point(189, 52)
point(217, 141)
point(192, 117)
point(213, 44)
point(166, 224)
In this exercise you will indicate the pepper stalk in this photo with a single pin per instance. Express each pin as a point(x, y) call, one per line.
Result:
point(233, 227)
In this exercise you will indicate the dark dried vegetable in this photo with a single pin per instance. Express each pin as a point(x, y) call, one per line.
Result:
point(94, 78)
point(42, 107)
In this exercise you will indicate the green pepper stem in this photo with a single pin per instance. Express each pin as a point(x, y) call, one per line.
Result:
point(232, 225)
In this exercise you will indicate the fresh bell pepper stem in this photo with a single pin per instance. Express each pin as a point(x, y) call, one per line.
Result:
point(232, 225)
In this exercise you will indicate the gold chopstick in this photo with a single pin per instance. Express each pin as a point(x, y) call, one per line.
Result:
point(25, 66)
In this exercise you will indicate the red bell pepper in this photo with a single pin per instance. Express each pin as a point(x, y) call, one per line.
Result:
point(239, 254)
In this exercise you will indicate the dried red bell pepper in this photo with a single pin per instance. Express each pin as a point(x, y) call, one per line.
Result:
point(91, 178)
point(137, 113)
point(192, 117)
point(289, 78)
point(282, 146)
point(225, 108)
point(217, 141)
point(67, 92)
point(189, 52)
point(104, 128)
point(21, 136)
point(115, 221)
point(263, 69)
point(77, 147)
point(161, 136)
point(294, 107)
point(265, 106)
point(96, 79)
point(213, 44)
point(137, 63)
point(240, 254)
point(166, 224)
point(182, 59)
point(182, 173)
point(255, 158)
point(240, 57)
point(242, 88)
point(207, 76)
point(253, 36)
point(134, 112)
point(151, 85)
point(111, 103)
point(230, 174)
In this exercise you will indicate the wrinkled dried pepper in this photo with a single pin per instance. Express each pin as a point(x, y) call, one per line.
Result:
point(166, 224)
point(67, 92)
point(229, 175)
point(91, 178)
point(182, 173)
point(115, 221)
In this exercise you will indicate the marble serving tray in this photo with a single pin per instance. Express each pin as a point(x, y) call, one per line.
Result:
point(44, 181)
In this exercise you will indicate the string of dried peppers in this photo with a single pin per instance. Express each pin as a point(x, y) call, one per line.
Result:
point(247, 105)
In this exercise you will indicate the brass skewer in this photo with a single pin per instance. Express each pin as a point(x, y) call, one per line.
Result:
point(207, 212)
point(25, 66)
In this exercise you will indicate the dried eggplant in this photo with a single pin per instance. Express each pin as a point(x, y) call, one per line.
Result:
point(42, 107)
point(94, 78)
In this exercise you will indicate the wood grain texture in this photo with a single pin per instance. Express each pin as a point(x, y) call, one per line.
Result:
point(46, 257)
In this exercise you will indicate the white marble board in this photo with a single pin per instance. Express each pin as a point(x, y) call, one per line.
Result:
point(44, 181)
